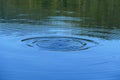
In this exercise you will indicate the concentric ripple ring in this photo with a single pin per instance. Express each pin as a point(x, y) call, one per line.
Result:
point(58, 43)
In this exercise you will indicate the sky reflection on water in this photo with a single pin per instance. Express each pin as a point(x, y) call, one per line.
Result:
point(68, 28)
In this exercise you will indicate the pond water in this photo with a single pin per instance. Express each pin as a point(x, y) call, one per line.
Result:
point(59, 40)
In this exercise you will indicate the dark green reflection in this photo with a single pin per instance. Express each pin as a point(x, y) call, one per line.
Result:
point(96, 12)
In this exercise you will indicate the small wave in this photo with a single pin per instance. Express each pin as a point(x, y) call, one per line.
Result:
point(56, 43)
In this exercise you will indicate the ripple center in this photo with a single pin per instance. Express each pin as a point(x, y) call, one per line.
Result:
point(55, 43)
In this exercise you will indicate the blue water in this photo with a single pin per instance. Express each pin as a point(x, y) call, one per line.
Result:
point(57, 60)
point(70, 40)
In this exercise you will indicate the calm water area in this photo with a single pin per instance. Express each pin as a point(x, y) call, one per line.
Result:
point(59, 39)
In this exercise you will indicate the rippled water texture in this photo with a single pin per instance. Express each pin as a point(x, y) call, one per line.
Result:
point(60, 43)
point(59, 40)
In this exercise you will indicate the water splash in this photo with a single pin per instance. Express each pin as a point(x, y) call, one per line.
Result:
point(58, 43)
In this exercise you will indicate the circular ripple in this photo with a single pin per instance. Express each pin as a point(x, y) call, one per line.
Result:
point(60, 43)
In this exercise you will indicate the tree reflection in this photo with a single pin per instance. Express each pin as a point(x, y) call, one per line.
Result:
point(100, 12)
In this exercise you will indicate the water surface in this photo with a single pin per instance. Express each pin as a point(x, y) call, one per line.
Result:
point(59, 40)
